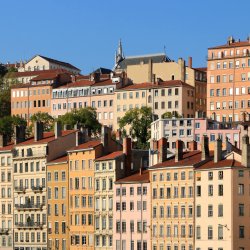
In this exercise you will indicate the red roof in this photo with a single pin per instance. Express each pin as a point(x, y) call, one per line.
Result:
point(110, 156)
point(189, 159)
point(136, 177)
point(203, 69)
point(148, 85)
point(60, 159)
point(7, 147)
point(47, 137)
point(104, 82)
point(232, 45)
point(36, 73)
point(86, 145)
point(45, 76)
point(81, 83)
point(220, 164)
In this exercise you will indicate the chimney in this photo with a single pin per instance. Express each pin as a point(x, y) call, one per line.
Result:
point(190, 62)
point(179, 151)
point(150, 71)
point(245, 155)
point(106, 138)
point(38, 131)
point(218, 150)
point(127, 150)
point(153, 145)
point(141, 170)
point(192, 146)
point(3, 140)
point(181, 63)
point(73, 78)
point(118, 135)
point(19, 134)
point(162, 149)
point(58, 129)
point(95, 77)
point(204, 148)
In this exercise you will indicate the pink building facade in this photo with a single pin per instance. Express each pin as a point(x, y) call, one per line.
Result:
point(132, 212)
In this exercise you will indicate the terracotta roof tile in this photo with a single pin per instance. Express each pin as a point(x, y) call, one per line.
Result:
point(232, 45)
point(110, 156)
point(86, 145)
point(81, 83)
point(7, 147)
point(136, 177)
point(147, 85)
point(60, 159)
point(47, 137)
point(36, 73)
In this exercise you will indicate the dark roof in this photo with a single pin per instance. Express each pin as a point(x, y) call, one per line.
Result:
point(102, 71)
point(111, 156)
point(203, 69)
point(136, 60)
point(36, 73)
point(86, 145)
point(65, 64)
point(142, 177)
point(232, 45)
point(148, 85)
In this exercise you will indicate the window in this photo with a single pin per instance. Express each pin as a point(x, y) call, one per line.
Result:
point(198, 232)
point(220, 190)
point(220, 232)
point(241, 232)
point(210, 233)
point(241, 189)
point(210, 210)
point(198, 211)
point(210, 190)
point(220, 210)
point(241, 209)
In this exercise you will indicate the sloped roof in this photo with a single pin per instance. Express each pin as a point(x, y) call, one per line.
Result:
point(232, 45)
point(136, 60)
point(111, 156)
point(102, 71)
point(148, 85)
point(142, 177)
point(86, 145)
point(60, 159)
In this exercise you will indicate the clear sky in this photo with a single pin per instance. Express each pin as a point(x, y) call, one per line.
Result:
point(86, 32)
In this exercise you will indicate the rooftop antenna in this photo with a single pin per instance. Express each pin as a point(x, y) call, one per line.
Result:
point(164, 48)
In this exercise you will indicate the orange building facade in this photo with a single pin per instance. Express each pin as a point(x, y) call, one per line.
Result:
point(228, 86)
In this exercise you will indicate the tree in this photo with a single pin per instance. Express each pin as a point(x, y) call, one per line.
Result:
point(43, 117)
point(7, 124)
point(171, 115)
point(139, 121)
point(85, 117)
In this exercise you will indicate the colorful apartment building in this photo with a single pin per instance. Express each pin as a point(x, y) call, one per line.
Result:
point(6, 200)
point(132, 212)
point(94, 92)
point(81, 187)
point(30, 182)
point(148, 68)
point(199, 199)
point(228, 81)
point(193, 129)
point(58, 204)
point(27, 99)
point(162, 97)
point(108, 169)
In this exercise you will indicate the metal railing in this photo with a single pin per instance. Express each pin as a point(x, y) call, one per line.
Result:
point(29, 206)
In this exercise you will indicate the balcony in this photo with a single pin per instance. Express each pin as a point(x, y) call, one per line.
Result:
point(20, 189)
point(37, 189)
point(223, 56)
point(29, 225)
point(4, 231)
point(24, 207)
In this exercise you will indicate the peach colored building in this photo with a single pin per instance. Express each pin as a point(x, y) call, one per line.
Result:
point(132, 212)
point(58, 203)
point(228, 81)
point(27, 99)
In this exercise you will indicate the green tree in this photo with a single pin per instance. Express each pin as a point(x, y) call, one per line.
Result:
point(85, 117)
point(171, 115)
point(43, 117)
point(139, 121)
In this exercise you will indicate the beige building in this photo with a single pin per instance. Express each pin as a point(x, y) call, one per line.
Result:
point(148, 68)
point(6, 200)
point(108, 169)
point(162, 97)
point(39, 62)
point(30, 182)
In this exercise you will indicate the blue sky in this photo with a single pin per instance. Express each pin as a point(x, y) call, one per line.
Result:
point(86, 32)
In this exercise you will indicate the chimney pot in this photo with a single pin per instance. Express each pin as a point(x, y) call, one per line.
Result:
point(218, 150)
point(179, 151)
point(162, 149)
point(190, 62)
point(204, 148)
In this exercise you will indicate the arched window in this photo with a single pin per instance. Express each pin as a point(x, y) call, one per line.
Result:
point(149, 99)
